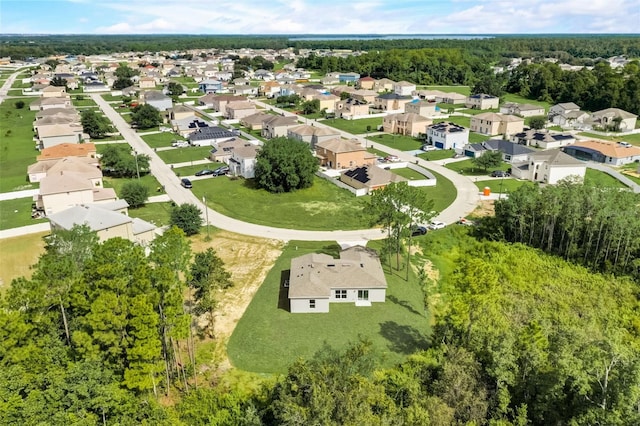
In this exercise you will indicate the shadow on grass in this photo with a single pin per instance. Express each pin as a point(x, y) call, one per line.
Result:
point(404, 304)
point(283, 294)
point(403, 339)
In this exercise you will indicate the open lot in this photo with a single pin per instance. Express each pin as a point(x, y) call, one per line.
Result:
point(147, 180)
point(409, 174)
point(322, 207)
point(268, 338)
point(468, 168)
point(355, 127)
point(17, 255)
point(161, 140)
point(16, 213)
point(511, 97)
point(501, 186)
point(183, 155)
point(191, 170)
point(438, 154)
point(156, 213)
point(463, 90)
point(17, 148)
point(598, 178)
point(443, 194)
point(401, 142)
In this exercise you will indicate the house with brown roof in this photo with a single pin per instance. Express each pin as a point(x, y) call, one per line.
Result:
point(219, 102)
point(57, 152)
point(62, 190)
point(338, 153)
point(311, 134)
point(612, 153)
point(408, 124)
point(366, 83)
point(383, 84)
point(317, 279)
point(491, 123)
point(254, 121)
point(549, 167)
point(370, 177)
point(277, 126)
point(39, 169)
point(269, 89)
point(239, 109)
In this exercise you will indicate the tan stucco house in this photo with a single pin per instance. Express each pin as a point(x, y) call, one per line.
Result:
point(338, 153)
point(408, 124)
point(491, 123)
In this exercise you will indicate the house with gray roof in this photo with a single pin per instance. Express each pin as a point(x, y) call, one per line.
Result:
point(511, 152)
point(209, 136)
point(158, 100)
point(316, 280)
point(543, 139)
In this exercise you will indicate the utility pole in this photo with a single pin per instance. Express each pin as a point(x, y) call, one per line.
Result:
point(206, 214)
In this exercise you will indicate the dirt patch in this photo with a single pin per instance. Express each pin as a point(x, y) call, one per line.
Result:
point(248, 259)
point(485, 208)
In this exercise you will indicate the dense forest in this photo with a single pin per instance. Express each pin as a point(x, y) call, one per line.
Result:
point(98, 336)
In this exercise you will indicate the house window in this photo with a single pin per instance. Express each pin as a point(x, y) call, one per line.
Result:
point(312, 303)
point(363, 294)
point(341, 294)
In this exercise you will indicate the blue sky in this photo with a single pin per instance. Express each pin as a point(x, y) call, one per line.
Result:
point(318, 16)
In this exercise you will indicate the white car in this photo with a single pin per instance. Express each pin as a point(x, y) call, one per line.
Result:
point(180, 144)
point(428, 148)
point(437, 225)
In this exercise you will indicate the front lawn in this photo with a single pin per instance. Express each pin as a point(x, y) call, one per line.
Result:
point(161, 140)
point(17, 148)
point(400, 142)
point(355, 127)
point(468, 168)
point(409, 174)
point(83, 101)
point(499, 186)
point(322, 207)
point(597, 178)
point(439, 154)
point(443, 194)
point(16, 213)
point(147, 180)
point(478, 137)
point(268, 338)
point(184, 155)
point(191, 170)
point(472, 111)
point(157, 213)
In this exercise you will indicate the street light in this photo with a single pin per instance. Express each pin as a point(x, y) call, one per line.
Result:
point(135, 155)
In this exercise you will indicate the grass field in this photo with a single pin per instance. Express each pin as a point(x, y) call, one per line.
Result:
point(355, 127)
point(408, 173)
point(472, 111)
point(161, 140)
point(403, 143)
point(147, 180)
point(463, 90)
point(478, 137)
point(268, 337)
point(83, 102)
point(502, 185)
point(183, 155)
point(322, 207)
point(468, 168)
point(156, 213)
point(632, 139)
point(17, 255)
point(191, 170)
point(598, 178)
point(17, 148)
point(440, 154)
point(510, 97)
point(15, 213)
point(443, 194)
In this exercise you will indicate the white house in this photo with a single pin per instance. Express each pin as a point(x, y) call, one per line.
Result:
point(404, 88)
point(549, 167)
point(543, 139)
point(523, 110)
point(482, 101)
point(316, 280)
point(447, 135)
point(611, 153)
point(243, 161)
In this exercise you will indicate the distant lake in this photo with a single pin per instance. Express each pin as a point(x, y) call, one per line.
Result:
point(389, 37)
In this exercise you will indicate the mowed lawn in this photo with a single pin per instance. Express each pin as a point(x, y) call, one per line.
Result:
point(184, 155)
point(16, 213)
point(157, 213)
point(147, 180)
point(501, 186)
point(602, 179)
point(355, 127)
point(443, 194)
point(463, 90)
point(160, 140)
point(268, 338)
point(322, 207)
point(17, 148)
point(468, 168)
point(400, 142)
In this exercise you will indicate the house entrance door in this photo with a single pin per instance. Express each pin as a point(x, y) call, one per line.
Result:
point(363, 294)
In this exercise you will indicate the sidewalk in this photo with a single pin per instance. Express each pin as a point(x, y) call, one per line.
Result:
point(18, 194)
point(24, 230)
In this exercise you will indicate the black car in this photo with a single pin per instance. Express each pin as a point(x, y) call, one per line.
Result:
point(223, 170)
point(204, 172)
point(186, 183)
point(499, 173)
point(418, 230)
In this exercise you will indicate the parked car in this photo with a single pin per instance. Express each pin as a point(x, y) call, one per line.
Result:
point(180, 144)
point(418, 230)
point(428, 148)
point(437, 225)
point(499, 173)
point(220, 171)
point(204, 172)
point(392, 158)
point(186, 183)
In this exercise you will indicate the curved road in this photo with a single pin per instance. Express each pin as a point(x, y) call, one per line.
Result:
point(465, 202)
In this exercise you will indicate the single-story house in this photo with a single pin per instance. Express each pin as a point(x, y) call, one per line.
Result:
point(511, 152)
point(549, 167)
point(567, 114)
point(317, 279)
point(158, 100)
point(447, 135)
point(254, 121)
point(95, 86)
point(611, 153)
point(522, 110)
point(244, 90)
point(612, 119)
point(185, 126)
point(482, 101)
point(239, 109)
point(243, 160)
point(408, 124)
point(348, 77)
point(543, 139)
point(87, 150)
point(42, 104)
point(106, 222)
point(370, 177)
point(490, 123)
point(338, 153)
point(209, 136)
